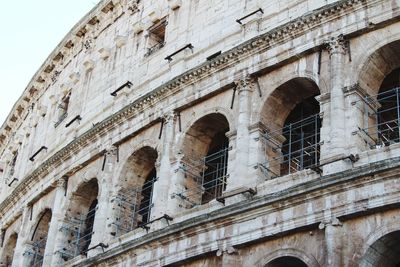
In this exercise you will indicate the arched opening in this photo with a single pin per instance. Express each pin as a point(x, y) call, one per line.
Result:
point(380, 78)
point(286, 261)
point(39, 239)
point(205, 160)
point(383, 252)
point(79, 220)
point(8, 250)
point(134, 200)
point(292, 138)
point(388, 114)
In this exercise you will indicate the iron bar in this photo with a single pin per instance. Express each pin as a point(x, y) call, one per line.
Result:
point(169, 58)
point(161, 128)
point(13, 180)
point(249, 15)
point(77, 118)
point(127, 84)
point(37, 153)
point(233, 97)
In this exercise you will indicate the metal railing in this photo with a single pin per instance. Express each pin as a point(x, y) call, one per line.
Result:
point(384, 129)
point(81, 229)
point(205, 179)
point(293, 148)
point(36, 253)
point(133, 207)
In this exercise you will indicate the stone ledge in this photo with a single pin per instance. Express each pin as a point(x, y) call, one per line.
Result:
point(294, 195)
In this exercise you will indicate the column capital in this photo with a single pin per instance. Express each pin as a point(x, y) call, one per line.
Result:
point(112, 150)
point(337, 45)
point(246, 84)
point(332, 222)
point(61, 182)
point(170, 116)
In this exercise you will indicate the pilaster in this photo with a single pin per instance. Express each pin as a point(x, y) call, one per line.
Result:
point(333, 242)
point(104, 217)
point(240, 176)
point(54, 243)
point(337, 143)
point(23, 239)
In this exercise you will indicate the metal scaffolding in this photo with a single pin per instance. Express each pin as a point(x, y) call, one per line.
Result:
point(205, 178)
point(293, 148)
point(133, 206)
point(36, 253)
point(381, 126)
point(79, 232)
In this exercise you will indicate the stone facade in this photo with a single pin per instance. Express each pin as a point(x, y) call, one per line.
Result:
point(209, 133)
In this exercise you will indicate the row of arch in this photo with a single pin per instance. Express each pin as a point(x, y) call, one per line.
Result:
point(206, 142)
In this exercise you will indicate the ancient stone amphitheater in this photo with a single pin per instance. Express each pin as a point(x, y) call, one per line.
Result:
point(209, 133)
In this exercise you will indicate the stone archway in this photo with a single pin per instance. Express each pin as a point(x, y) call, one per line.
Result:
point(287, 258)
point(8, 250)
point(378, 66)
point(383, 252)
point(291, 117)
point(286, 261)
point(39, 239)
point(134, 198)
point(79, 220)
point(205, 160)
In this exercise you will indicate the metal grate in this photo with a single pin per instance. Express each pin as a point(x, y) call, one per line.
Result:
point(205, 179)
point(299, 150)
point(133, 206)
point(383, 128)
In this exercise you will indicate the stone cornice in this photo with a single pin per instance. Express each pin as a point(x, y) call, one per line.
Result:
point(336, 183)
point(263, 42)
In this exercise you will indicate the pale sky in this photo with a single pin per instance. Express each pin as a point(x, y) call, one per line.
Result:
point(29, 31)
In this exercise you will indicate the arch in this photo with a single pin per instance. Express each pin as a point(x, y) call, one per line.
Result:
point(135, 190)
point(79, 220)
point(39, 238)
point(311, 77)
point(372, 68)
point(293, 255)
point(204, 159)
point(376, 234)
point(383, 252)
point(8, 250)
point(291, 116)
point(282, 100)
point(230, 118)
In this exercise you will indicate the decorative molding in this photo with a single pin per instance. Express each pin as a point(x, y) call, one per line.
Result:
point(248, 83)
point(337, 45)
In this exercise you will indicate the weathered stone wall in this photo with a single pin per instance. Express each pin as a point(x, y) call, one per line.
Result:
point(69, 146)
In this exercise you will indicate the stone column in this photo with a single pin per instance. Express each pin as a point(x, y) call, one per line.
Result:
point(240, 176)
point(337, 48)
point(162, 185)
point(177, 203)
point(102, 230)
point(333, 242)
point(54, 237)
point(23, 239)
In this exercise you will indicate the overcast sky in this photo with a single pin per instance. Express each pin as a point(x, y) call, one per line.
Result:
point(29, 31)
